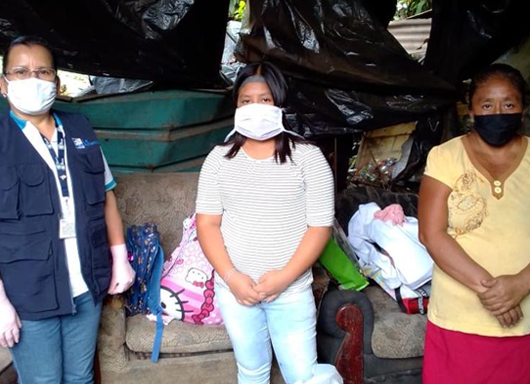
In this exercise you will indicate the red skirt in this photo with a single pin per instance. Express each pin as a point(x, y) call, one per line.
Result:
point(460, 358)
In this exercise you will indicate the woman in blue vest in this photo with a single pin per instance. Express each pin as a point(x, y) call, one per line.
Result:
point(58, 219)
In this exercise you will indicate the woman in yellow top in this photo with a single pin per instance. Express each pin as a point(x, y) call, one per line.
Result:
point(474, 216)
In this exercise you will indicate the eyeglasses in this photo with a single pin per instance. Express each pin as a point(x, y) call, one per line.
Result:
point(23, 73)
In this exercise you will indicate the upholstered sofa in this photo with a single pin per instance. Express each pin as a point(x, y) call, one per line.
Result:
point(365, 334)
point(189, 354)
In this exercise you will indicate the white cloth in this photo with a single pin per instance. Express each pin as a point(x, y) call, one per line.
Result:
point(408, 263)
point(77, 283)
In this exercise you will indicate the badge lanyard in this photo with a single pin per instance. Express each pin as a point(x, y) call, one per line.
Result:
point(59, 160)
point(67, 224)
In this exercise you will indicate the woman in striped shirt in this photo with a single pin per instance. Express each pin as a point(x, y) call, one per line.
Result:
point(265, 208)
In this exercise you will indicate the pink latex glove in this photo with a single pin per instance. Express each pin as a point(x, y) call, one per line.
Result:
point(393, 213)
point(10, 323)
point(122, 272)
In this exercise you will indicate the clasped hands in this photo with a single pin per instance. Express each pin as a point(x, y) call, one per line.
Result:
point(503, 296)
point(269, 286)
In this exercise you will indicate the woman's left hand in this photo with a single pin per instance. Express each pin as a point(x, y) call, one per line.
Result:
point(271, 284)
point(510, 318)
point(504, 293)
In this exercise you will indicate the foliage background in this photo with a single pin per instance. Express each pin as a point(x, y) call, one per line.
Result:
point(407, 8)
point(237, 9)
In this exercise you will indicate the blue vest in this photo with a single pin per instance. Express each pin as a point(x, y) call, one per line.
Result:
point(33, 264)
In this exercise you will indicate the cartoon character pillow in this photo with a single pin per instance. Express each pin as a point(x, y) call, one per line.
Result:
point(187, 286)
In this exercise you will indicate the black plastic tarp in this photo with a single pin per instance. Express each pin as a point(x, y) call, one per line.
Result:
point(348, 73)
point(177, 43)
point(470, 34)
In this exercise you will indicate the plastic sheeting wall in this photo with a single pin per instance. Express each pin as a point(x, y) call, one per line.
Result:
point(347, 72)
point(178, 43)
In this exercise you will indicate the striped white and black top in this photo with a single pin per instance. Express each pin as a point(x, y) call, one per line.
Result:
point(266, 206)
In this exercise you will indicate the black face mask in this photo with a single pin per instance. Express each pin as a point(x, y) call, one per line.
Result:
point(498, 129)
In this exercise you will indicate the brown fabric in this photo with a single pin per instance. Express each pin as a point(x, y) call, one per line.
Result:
point(147, 355)
point(111, 338)
point(396, 334)
point(320, 284)
point(213, 368)
point(163, 199)
point(178, 337)
point(5, 359)
point(219, 368)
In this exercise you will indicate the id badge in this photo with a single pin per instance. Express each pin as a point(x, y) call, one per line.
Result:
point(66, 228)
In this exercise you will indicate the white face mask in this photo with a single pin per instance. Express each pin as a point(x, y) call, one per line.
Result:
point(259, 122)
point(31, 96)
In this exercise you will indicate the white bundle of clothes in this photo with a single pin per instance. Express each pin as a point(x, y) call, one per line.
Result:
point(389, 251)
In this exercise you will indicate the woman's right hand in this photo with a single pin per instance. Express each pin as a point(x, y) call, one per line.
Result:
point(9, 324)
point(242, 287)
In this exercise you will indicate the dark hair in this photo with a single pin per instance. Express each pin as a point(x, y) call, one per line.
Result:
point(273, 77)
point(278, 87)
point(500, 70)
point(28, 41)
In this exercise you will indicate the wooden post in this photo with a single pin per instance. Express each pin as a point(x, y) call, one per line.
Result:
point(350, 356)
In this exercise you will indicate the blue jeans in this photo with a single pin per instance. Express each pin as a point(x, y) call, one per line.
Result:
point(59, 350)
point(289, 322)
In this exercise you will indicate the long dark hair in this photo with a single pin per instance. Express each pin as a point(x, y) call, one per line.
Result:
point(277, 84)
point(28, 41)
point(500, 70)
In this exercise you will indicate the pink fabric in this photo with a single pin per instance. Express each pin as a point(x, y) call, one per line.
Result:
point(461, 358)
point(187, 287)
point(393, 213)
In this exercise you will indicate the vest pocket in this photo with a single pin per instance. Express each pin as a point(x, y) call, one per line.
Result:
point(94, 177)
point(8, 193)
point(27, 268)
point(35, 189)
point(101, 265)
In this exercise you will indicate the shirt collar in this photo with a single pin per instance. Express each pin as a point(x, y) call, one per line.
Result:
point(21, 123)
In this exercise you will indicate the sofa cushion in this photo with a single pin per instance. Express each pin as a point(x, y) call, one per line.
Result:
point(182, 338)
point(396, 334)
point(5, 359)
point(178, 337)
point(163, 199)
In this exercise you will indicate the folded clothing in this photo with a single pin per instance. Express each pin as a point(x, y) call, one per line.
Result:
point(391, 254)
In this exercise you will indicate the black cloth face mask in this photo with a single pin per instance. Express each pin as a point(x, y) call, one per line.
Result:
point(498, 129)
